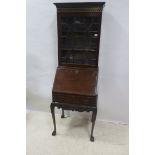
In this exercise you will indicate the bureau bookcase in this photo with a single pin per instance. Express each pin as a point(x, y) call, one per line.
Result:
point(75, 84)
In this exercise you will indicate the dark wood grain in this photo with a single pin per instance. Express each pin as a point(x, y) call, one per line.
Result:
point(75, 84)
point(80, 81)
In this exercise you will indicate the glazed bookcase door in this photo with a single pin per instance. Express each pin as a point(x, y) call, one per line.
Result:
point(79, 39)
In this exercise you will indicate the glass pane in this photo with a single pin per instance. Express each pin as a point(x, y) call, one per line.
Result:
point(79, 39)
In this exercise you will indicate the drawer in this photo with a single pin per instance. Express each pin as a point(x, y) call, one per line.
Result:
point(74, 99)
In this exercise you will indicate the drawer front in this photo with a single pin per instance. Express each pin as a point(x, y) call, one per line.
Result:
point(74, 99)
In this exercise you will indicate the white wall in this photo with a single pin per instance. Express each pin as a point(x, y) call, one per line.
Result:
point(113, 89)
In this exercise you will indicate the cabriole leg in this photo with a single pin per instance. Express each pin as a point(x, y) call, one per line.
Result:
point(53, 116)
point(92, 117)
point(62, 116)
point(93, 124)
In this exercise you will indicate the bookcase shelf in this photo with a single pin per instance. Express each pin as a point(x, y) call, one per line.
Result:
point(78, 38)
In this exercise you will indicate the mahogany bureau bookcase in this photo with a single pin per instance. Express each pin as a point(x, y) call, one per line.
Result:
point(75, 84)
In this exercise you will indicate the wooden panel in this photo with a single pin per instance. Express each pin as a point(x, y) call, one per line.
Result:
point(80, 81)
